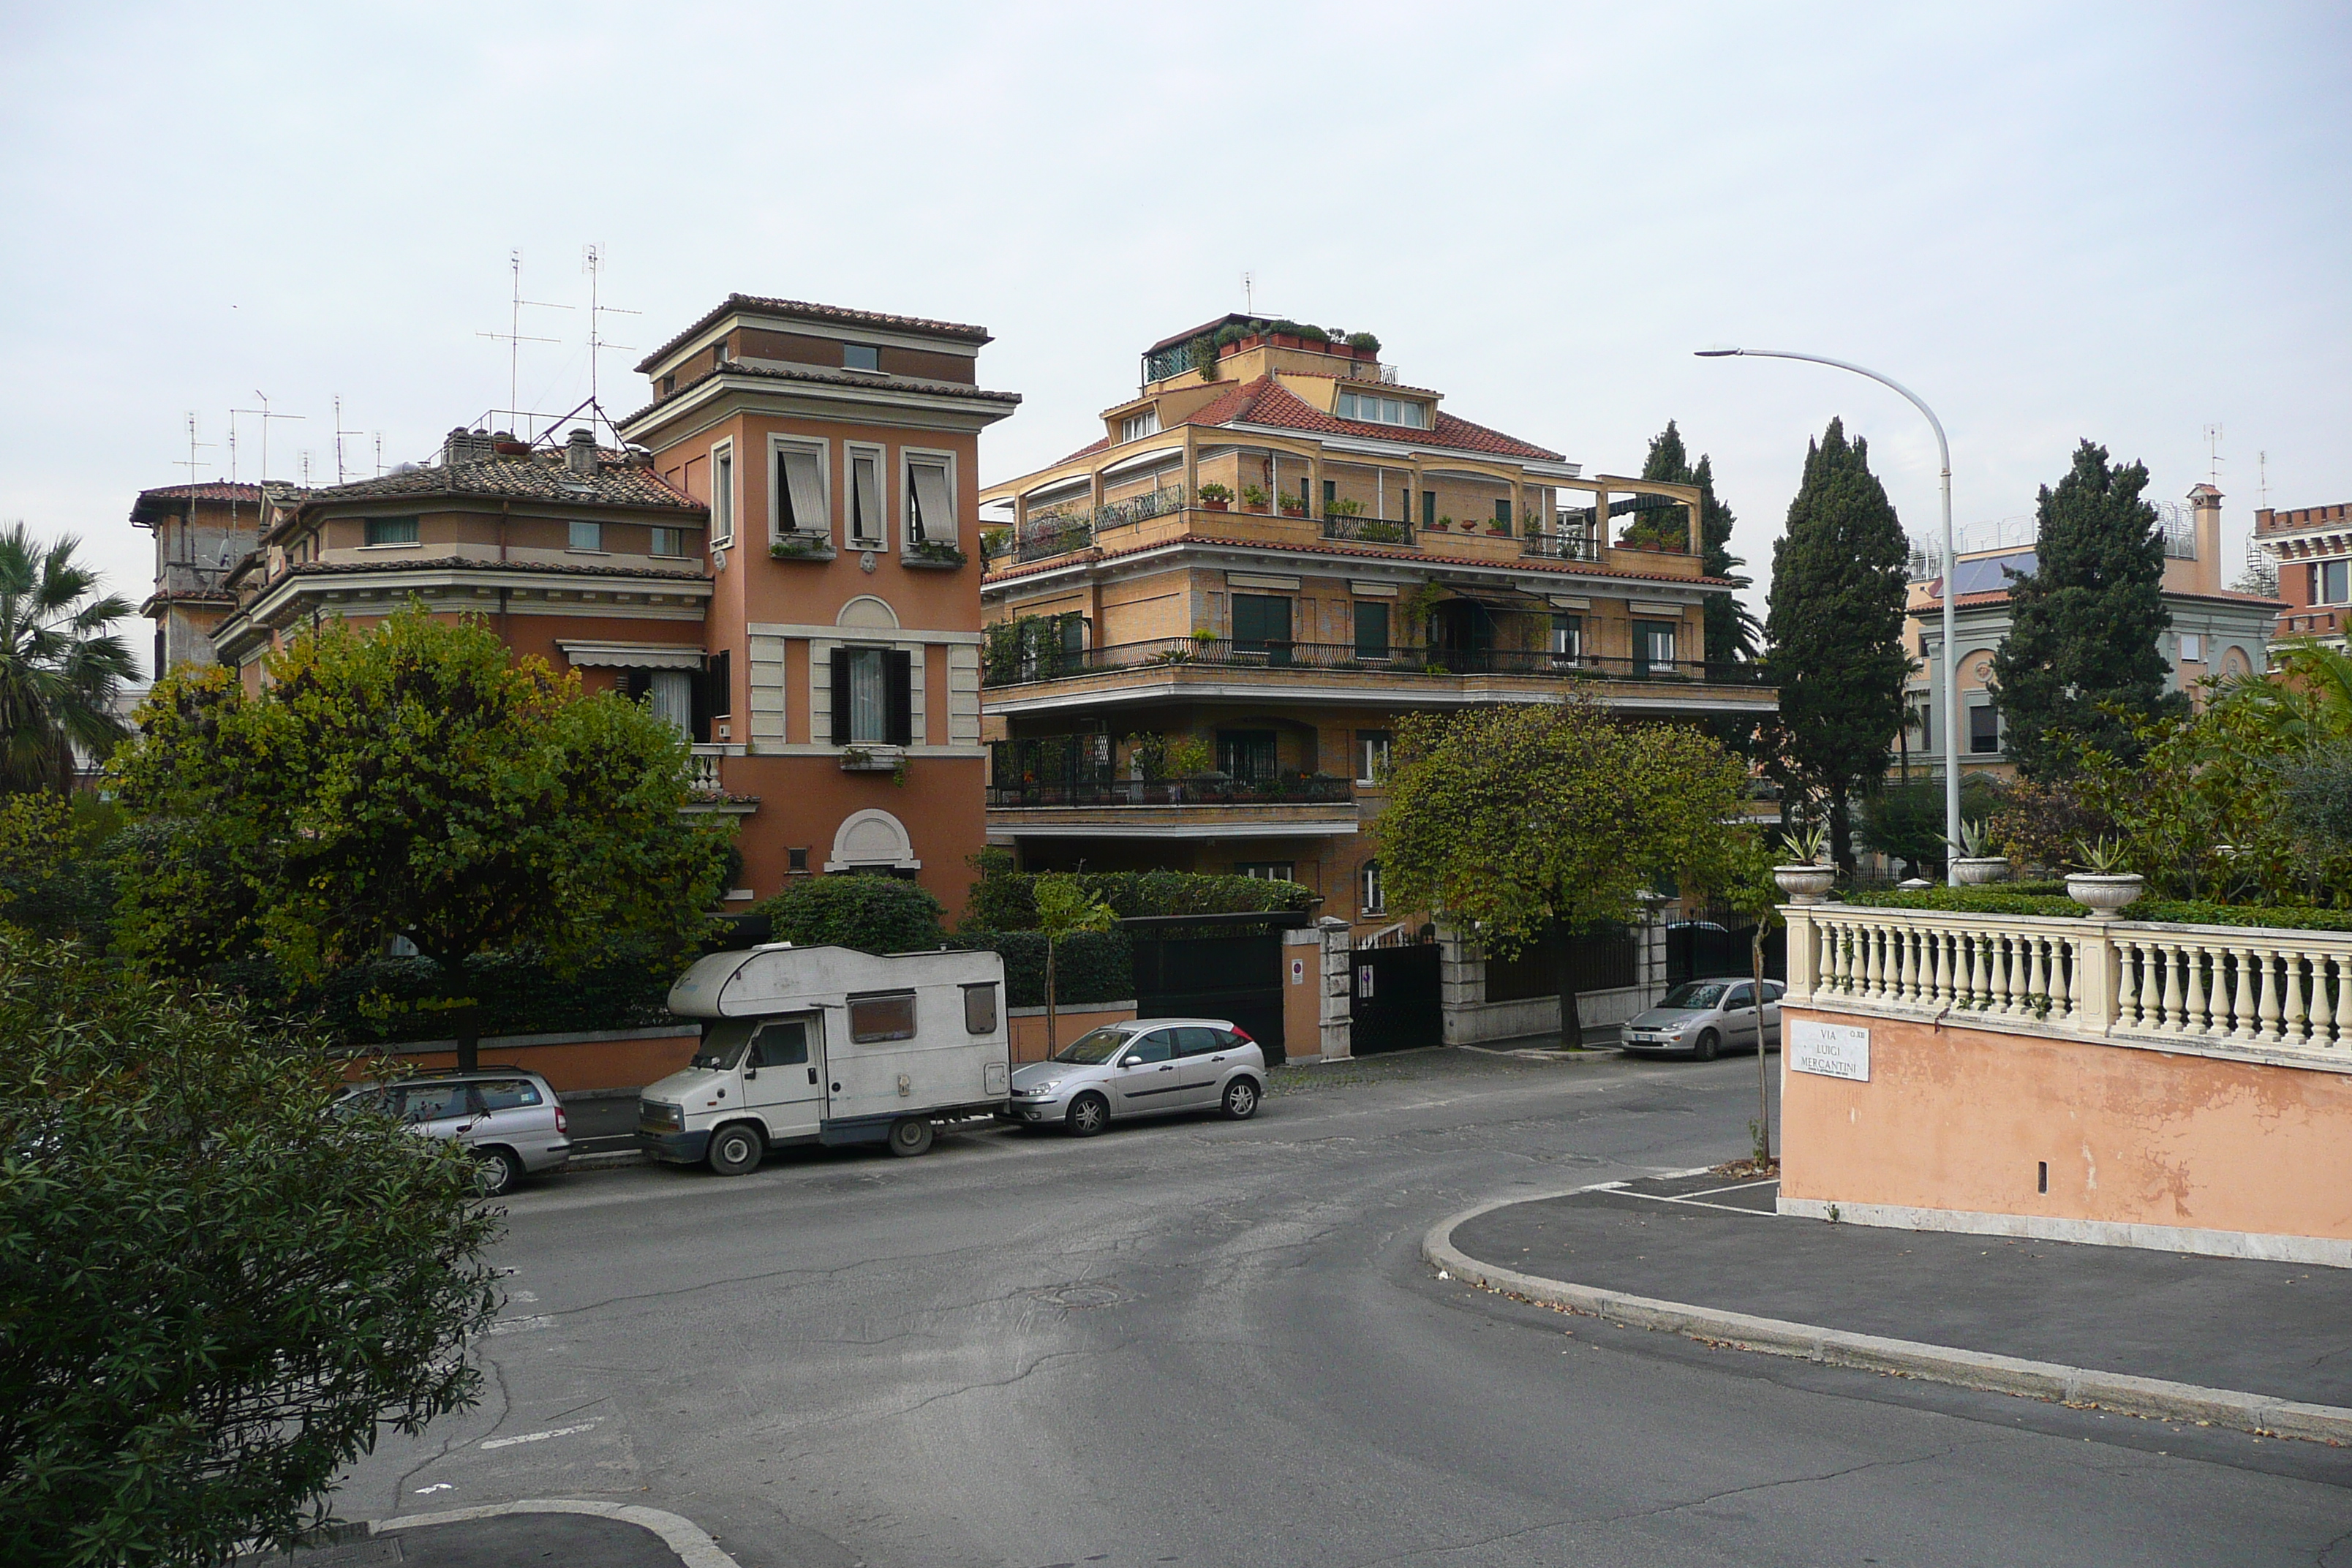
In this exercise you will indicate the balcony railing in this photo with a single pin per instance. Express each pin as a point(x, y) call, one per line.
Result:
point(1573, 546)
point(1272, 654)
point(1369, 531)
point(1210, 790)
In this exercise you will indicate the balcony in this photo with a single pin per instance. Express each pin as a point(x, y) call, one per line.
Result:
point(1211, 805)
point(1394, 663)
point(1210, 789)
point(1357, 530)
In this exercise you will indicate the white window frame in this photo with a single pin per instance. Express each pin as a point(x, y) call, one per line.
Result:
point(2322, 592)
point(823, 451)
point(2192, 647)
point(850, 452)
point(929, 457)
point(1369, 764)
point(1372, 897)
point(724, 484)
point(653, 542)
point(572, 528)
point(1136, 427)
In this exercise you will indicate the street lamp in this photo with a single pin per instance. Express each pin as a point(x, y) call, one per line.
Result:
point(1951, 681)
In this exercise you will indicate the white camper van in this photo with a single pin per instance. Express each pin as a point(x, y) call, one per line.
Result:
point(827, 1045)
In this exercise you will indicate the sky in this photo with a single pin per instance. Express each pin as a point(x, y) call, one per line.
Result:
point(2130, 223)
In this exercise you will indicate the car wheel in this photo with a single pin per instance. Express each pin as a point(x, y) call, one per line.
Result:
point(1241, 1100)
point(1088, 1114)
point(1709, 1042)
point(911, 1136)
point(736, 1149)
point(498, 1170)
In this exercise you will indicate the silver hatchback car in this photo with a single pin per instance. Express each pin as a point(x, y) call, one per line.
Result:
point(1706, 1017)
point(1144, 1068)
point(507, 1117)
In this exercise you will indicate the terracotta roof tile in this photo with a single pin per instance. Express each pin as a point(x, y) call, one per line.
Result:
point(802, 309)
point(1266, 401)
point(616, 482)
point(467, 564)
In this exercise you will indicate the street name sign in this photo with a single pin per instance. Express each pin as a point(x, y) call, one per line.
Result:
point(1830, 1050)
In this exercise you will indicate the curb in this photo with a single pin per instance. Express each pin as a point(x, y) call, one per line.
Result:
point(2259, 1414)
point(610, 1159)
point(695, 1549)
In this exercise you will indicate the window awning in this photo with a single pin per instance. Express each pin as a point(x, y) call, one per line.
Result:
point(1494, 598)
point(631, 656)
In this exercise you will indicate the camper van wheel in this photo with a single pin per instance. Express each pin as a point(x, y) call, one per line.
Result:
point(1088, 1114)
point(735, 1150)
point(911, 1136)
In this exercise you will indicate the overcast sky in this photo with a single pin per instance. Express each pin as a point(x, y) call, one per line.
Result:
point(2128, 222)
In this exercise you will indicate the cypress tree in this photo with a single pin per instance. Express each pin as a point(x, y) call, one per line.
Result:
point(1730, 628)
point(2085, 624)
point(1835, 622)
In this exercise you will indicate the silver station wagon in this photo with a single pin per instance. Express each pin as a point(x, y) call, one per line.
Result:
point(1144, 1068)
point(1705, 1018)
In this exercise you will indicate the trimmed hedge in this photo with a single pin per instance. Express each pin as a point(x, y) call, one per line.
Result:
point(2029, 899)
point(872, 914)
point(394, 1000)
point(1006, 900)
point(1088, 967)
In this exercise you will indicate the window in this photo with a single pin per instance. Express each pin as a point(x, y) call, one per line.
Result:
point(392, 530)
point(779, 1046)
point(588, 536)
point(1923, 716)
point(1246, 755)
point(718, 353)
point(1198, 1042)
point(1739, 996)
point(796, 858)
point(435, 1102)
point(1984, 728)
point(1374, 410)
point(2331, 582)
point(1156, 1047)
point(866, 498)
point(930, 508)
point(719, 683)
point(1654, 645)
point(888, 1017)
point(1567, 638)
point(873, 697)
point(980, 1009)
point(669, 384)
point(1429, 509)
point(1264, 870)
point(1371, 756)
point(507, 1094)
point(2192, 647)
point(1136, 427)
point(722, 498)
point(1372, 629)
point(1261, 623)
point(800, 490)
point(1073, 633)
point(860, 356)
point(667, 541)
point(1370, 895)
point(669, 693)
point(1330, 494)
point(1503, 510)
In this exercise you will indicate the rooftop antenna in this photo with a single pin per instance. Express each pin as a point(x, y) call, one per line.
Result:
point(2262, 470)
point(306, 467)
point(266, 417)
point(1249, 293)
point(591, 261)
point(189, 463)
point(339, 433)
point(513, 336)
point(2213, 451)
point(379, 454)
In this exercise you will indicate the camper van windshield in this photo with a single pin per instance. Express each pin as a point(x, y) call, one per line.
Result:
point(1094, 1049)
point(723, 1044)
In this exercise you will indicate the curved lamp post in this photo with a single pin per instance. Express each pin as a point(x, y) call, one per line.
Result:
point(1951, 682)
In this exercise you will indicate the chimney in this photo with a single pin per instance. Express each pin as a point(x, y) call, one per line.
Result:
point(579, 452)
point(464, 446)
point(2205, 514)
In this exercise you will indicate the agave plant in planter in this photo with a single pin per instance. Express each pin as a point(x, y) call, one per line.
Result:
point(1973, 862)
point(2105, 885)
point(1804, 874)
point(1217, 497)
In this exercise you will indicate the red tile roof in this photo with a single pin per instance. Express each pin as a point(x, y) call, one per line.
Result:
point(156, 502)
point(1266, 401)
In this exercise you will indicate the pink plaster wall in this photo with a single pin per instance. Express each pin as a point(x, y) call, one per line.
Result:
point(1961, 1118)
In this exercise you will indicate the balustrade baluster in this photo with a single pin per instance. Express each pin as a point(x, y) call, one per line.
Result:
point(2065, 988)
point(2269, 1033)
point(2127, 984)
point(2242, 995)
point(2037, 989)
point(2293, 1029)
point(1906, 964)
point(2193, 1002)
point(2343, 1003)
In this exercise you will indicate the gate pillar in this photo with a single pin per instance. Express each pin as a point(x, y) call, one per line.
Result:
point(1338, 1020)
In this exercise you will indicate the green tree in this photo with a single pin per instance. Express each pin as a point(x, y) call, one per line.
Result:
point(1064, 906)
point(871, 913)
point(1517, 822)
point(213, 1291)
point(2082, 658)
point(412, 781)
point(1836, 627)
point(55, 881)
point(60, 668)
point(1730, 628)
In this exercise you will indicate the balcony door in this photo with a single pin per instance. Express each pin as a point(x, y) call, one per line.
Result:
point(1261, 626)
point(1246, 755)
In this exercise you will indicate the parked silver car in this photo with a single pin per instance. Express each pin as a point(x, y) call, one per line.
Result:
point(509, 1118)
point(1144, 1068)
point(1706, 1017)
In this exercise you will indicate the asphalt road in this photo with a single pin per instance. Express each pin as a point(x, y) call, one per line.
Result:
point(1204, 1342)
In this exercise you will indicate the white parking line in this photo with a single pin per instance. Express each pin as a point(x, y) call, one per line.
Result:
point(540, 1436)
point(520, 1325)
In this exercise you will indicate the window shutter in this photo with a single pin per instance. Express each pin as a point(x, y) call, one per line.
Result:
point(803, 490)
point(841, 697)
point(720, 682)
point(934, 518)
point(697, 705)
point(639, 684)
point(899, 670)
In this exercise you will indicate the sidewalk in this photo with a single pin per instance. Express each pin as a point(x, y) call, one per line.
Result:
point(1717, 1251)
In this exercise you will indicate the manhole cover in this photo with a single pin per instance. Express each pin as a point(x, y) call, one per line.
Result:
point(1086, 1296)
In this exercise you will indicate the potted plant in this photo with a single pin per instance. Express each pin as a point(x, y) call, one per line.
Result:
point(1217, 497)
point(1805, 877)
point(1202, 636)
point(1973, 862)
point(2103, 886)
point(1255, 499)
point(1343, 508)
point(1293, 506)
point(938, 553)
point(801, 547)
point(1378, 532)
point(1445, 521)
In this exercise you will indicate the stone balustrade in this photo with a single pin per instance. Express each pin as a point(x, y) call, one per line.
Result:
point(2230, 989)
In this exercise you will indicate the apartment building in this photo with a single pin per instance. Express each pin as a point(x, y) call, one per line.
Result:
point(2313, 547)
point(202, 532)
point(779, 560)
point(2215, 631)
point(1205, 621)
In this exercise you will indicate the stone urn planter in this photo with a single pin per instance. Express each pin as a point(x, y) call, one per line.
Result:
point(2105, 894)
point(1976, 870)
point(1805, 884)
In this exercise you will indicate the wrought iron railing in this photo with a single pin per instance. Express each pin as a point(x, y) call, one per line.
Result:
point(1568, 546)
point(1369, 531)
point(1214, 789)
point(1395, 661)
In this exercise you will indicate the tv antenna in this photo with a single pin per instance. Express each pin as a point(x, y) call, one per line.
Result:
point(189, 462)
point(306, 467)
point(379, 454)
point(263, 398)
point(339, 433)
point(2213, 452)
point(591, 261)
point(514, 337)
point(1249, 293)
point(2262, 470)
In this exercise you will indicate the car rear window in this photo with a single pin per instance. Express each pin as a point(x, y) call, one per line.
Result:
point(434, 1102)
point(1199, 1042)
point(508, 1094)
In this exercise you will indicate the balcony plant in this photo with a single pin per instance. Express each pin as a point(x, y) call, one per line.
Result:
point(1378, 532)
point(1255, 499)
point(1293, 506)
point(1217, 497)
point(1443, 523)
point(1343, 508)
point(801, 547)
point(995, 542)
point(936, 553)
point(1802, 875)
point(2105, 885)
point(1973, 862)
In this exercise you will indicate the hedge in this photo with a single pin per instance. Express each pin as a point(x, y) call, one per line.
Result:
point(1088, 967)
point(394, 1001)
point(872, 914)
point(1006, 900)
point(2028, 899)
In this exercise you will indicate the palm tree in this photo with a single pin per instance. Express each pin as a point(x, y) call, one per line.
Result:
point(60, 666)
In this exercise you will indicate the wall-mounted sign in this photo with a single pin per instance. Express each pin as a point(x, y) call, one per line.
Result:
point(1830, 1050)
point(1298, 972)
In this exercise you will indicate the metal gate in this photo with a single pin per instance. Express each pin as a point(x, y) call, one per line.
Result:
point(1235, 977)
point(1700, 949)
point(1395, 998)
